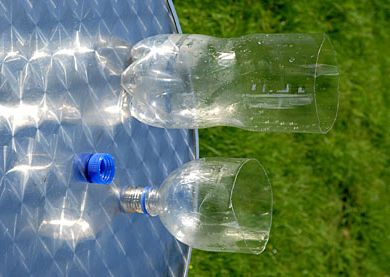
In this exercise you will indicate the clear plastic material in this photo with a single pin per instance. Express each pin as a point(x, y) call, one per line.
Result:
point(211, 204)
point(260, 82)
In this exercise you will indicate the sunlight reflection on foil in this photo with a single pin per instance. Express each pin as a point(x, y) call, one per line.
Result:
point(20, 115)
point(24, 115)
point(67, 229)
point(76, 48)
point(39, 55)
point(25, 168)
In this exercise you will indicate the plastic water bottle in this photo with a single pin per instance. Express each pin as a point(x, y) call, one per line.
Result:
point(211, 204)
point(259, 82)
point(214, 204)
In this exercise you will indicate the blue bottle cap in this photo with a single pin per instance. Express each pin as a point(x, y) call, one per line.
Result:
point(101, 168)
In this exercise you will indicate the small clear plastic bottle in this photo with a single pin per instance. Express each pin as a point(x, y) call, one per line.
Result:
point(211, 204)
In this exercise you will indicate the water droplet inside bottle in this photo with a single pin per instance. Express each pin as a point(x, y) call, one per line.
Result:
point(291, 60)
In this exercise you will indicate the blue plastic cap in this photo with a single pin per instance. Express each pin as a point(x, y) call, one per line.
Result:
point(100, 169)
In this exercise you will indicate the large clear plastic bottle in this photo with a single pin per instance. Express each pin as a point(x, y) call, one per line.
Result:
point(259, 82)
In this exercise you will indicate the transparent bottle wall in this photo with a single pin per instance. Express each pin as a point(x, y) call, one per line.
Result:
point(218, 204)
point(212, 204)
point(258, 82)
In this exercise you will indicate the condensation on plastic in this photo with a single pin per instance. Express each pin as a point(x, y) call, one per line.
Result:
point(60, 96)
point(258, 82)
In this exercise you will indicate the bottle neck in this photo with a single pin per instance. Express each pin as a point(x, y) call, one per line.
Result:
point(140, 200)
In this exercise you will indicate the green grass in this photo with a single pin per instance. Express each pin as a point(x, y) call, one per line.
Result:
point(331, 192)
